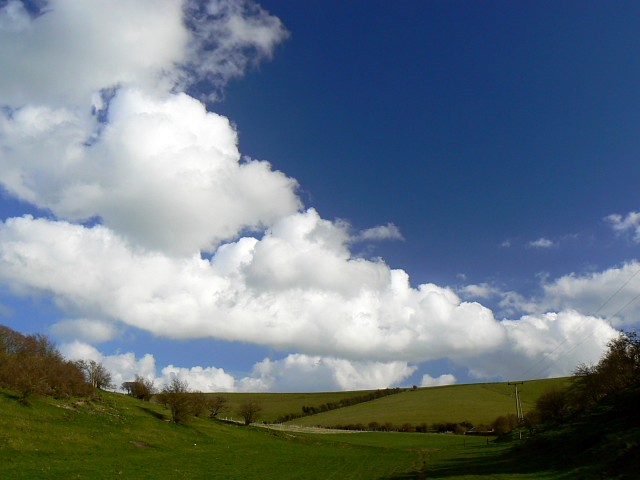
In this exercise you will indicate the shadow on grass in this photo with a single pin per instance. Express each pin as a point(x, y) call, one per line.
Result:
point(484, 463)
point(10, 396)
point(24, 401)
point(502, 463)
point(153, 413)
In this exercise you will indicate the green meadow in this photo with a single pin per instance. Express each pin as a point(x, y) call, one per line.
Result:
point(475, 403)
point(120, 437)
point(276, 405)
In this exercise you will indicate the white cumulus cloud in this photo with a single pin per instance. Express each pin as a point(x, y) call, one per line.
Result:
point(139, 177)
point(613, 293)
point(381, 232)
point(202, 379)
point(164, 172)
point(545, 345)
point(541, 243)
point(314, 373)
point(83, 329)
point(444, 379)
point(122, 367)
point(295, 288)
point(75, 49)
point(628, 223)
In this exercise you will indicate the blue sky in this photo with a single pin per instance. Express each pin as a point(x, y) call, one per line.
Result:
point(321, 195)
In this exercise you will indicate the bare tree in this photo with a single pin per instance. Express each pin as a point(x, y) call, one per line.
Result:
point(95, 373)
point(217, 405)
point(249, 411)
point(198, 403)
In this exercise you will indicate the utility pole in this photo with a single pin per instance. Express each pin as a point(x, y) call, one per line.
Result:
point(519, 411)
point(518, 406)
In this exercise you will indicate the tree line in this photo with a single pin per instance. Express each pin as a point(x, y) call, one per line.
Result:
point(617, 371)
point(31, 365)
point(184, 403)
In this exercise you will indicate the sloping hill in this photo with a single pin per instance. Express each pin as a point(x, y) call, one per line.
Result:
point(276, 405)
point(120, 437)
point(475, 403)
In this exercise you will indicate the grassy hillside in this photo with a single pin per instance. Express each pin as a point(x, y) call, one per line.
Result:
point(126, 438)
point(279, 404)
point(475, 403)
point(120, 437)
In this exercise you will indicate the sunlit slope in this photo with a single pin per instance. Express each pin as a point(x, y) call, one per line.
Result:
point(475, 403)
point(277, 405)
point(120, 437)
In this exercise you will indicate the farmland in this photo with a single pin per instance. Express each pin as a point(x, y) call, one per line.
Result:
point(126, 438)
point(475, 403)
point(118, 436)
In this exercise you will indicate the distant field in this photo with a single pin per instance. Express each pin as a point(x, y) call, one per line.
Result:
point(475, 403)
point(279, 404)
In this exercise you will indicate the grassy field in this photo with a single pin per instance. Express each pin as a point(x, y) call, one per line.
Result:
point(475, 403)
point(279, 404)
point(120, 437)
point(126, 438)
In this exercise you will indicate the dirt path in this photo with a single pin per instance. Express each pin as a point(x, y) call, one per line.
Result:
point(301, 429)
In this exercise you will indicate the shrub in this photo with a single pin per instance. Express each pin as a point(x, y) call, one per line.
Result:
point(175, 395)
point(505, 423)
point(141, 388)
point(422, 428)
point(31, 365)
point(95, 373)
point(249, 411)
point(198, 404)
point(407, 427)
point(618, 370)
point(217, 405)
point(553, 406)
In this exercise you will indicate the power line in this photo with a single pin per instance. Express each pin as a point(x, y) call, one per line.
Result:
point(626, 305)
point(616, 292)
point(546, 356)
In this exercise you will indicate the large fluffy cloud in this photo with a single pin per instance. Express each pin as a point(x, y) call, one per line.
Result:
point(122, 367)
point(295, 372)
point(612, 294)
point(75, 49)
point(546, 345)
point(140, 178)
point(315, 373)
point(165, 173)
point(297, 287)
